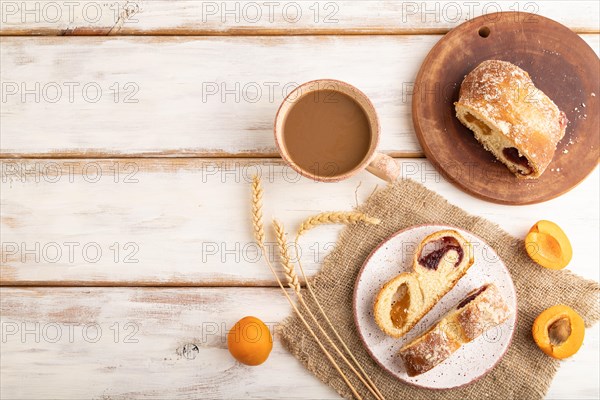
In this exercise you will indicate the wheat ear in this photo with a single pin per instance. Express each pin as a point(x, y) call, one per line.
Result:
point(259, 236)
point(347, 218)
point(257, 215)
point(292, 279)
point(307, 225)
point(286, 263)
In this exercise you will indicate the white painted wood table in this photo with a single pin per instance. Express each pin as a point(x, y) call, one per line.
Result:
point(129, 134)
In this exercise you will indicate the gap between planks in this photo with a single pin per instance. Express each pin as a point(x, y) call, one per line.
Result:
point(239, 32)
point(246, 33)
point(166, 156)
point(145, 285)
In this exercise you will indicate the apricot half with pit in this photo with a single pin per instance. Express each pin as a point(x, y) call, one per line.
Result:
point(548, 245)
point(559, 331)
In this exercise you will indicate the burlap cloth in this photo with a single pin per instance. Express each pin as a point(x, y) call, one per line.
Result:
point(524, 372)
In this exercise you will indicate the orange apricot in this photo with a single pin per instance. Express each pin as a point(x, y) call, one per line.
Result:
point(548, 245)
point(559, 331)
point(249, 341)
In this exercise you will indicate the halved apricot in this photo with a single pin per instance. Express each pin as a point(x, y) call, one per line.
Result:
point(559, 331)
point(548, 245)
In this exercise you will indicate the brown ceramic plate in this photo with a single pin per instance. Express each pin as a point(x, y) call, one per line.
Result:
point(560, 63)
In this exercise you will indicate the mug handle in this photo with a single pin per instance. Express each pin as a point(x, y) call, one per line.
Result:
point(384, 167)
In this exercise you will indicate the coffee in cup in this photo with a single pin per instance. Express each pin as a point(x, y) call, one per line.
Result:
point(328, 130)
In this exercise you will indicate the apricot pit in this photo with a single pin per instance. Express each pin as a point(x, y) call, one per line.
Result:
point(548, 245)
point(559, 331)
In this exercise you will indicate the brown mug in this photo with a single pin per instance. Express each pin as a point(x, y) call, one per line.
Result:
point(328, 130)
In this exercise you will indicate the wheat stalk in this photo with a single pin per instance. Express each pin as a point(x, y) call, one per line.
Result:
point(347, 218)
point(286, 263)
point(292, 279)
point(329, 218)
point(259, 236)
point(257, 193)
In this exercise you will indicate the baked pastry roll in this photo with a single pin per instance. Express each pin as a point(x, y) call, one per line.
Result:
point(482, 309)
point(439, 262)
point(510, 117)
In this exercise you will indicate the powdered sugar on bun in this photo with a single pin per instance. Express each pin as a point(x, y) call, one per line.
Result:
point(510, 117)
point(482, 309)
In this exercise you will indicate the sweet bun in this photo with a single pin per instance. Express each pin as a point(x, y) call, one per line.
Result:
point(510, 117)
point(479, 311)
point(440, 261)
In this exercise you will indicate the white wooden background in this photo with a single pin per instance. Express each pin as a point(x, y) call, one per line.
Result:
point(126, 244)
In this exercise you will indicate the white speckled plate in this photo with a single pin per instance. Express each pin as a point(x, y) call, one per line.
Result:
point(468, 363)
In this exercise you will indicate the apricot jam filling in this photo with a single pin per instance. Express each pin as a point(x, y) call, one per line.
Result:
point(400, 306)
point(438, 250)
point(486, 130)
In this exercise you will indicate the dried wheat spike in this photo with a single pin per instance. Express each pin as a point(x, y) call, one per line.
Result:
point(286, 262)
point(257, 216)
point(346, 218)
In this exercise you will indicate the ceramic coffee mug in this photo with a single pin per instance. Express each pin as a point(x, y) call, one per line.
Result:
point(328, 130)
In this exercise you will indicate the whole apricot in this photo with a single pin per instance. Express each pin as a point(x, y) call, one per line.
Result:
point(249, 341)
point(559, 331)
point(548, 245)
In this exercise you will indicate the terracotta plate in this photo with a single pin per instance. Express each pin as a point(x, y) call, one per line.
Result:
point(560, 63)
point(471, 361)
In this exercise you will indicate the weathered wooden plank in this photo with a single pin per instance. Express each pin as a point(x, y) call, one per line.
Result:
point(188, 96)
point(103, 97)
point(71, 343)
point(187, 221)
point(124, 343)
point(190, 17)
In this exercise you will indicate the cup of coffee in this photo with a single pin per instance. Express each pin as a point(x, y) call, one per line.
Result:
point(328, 130)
